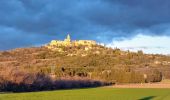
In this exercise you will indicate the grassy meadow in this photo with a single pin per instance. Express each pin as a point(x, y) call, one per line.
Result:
point(92, 94)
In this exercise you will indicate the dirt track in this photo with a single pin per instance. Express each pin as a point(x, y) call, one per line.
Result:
point(163, 84)
point(146, 85)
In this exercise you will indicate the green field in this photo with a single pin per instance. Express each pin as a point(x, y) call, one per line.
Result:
point(92, 94)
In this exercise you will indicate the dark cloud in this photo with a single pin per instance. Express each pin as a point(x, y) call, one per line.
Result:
point(33, 22)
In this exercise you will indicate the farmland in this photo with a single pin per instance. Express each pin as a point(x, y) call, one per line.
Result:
point(103, 93)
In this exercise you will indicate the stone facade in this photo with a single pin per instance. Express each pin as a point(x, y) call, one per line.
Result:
point(84, 42)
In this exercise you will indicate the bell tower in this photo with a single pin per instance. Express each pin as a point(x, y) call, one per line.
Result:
point(67, 41)
point(68, 38)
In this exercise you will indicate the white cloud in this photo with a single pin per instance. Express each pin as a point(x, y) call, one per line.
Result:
point(149, 44)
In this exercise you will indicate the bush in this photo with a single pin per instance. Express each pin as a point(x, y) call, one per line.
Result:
point(21, 81)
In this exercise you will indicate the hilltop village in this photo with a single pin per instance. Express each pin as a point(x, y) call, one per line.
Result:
point(55, 44)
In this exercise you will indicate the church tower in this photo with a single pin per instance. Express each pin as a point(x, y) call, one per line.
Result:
point(67, 41)
point(68, 38)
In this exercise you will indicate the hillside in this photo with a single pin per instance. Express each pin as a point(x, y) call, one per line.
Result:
point(78, 63)
point(94, 62)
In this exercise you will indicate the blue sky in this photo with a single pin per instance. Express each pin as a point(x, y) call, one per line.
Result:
point(25, 23)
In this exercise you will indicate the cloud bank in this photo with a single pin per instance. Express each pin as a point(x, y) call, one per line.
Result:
point(148, 44)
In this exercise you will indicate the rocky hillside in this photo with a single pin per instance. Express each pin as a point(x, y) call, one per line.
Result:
point(95, 62)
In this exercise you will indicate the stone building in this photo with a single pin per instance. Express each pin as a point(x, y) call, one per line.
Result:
point(66, 42)
point(84, 42)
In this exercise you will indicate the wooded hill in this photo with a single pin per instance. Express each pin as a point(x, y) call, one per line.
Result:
point(97, 62)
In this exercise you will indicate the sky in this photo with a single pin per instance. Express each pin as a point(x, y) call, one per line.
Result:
point(126, 24)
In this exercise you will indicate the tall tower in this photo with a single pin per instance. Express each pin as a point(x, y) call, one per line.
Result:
point(67, 41)
point(68, 38)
